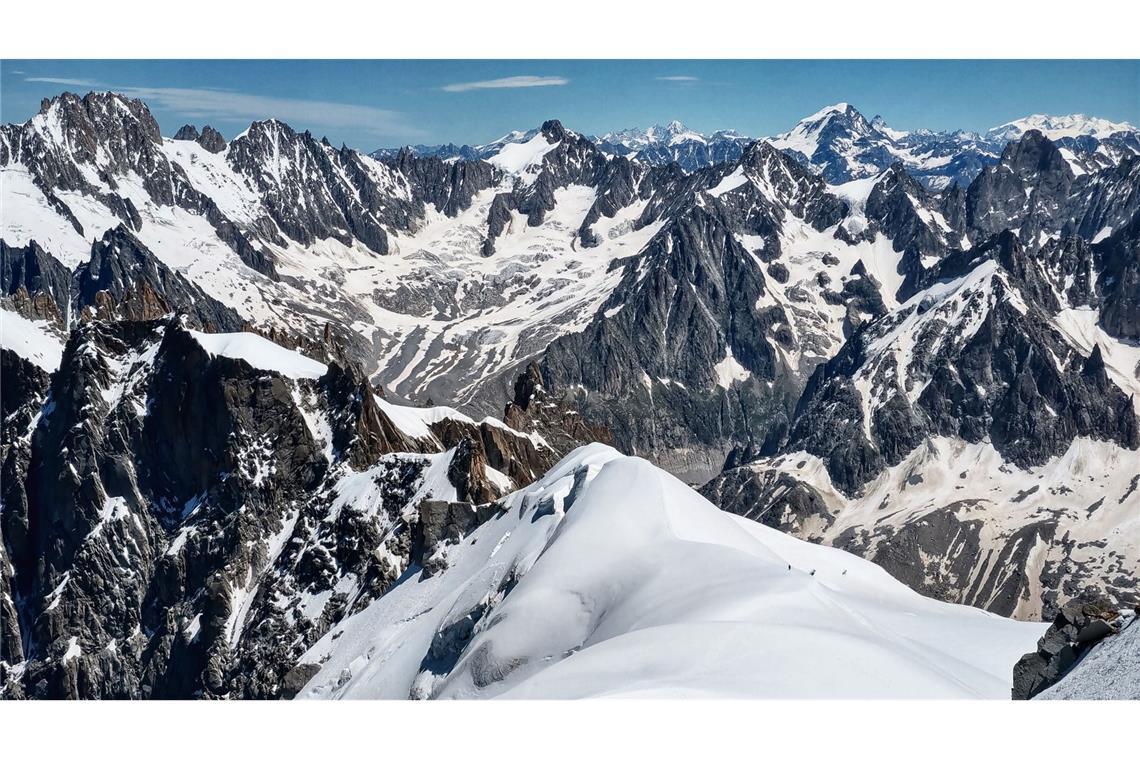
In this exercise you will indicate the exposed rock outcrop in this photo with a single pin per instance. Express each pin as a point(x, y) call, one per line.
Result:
point(1078, 626)
point(124, 280)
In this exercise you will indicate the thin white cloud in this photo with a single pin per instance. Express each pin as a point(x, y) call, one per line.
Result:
point(228, 106)
point(678, 78)
point(63, 81)
point(507, 83)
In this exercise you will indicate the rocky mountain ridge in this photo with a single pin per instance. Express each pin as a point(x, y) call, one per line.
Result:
point(837, 356)
point(998, 356)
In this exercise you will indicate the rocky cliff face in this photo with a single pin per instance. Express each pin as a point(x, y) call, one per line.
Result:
point(975, 357)
point(568, 159)
point(688, 311)
point(706, 341)
point(124, 280)
point(313, 191)
point(1077, 628)
point(1105, 654)
point(1026, 191)
point(943, 437)
point(22, 395)
point(448, 186)
point(209, 138)
point(185, 512)
point(901, 209)
point(1034, 191)
point(560, 425)
point(1118, 281)
point(35, 284)
point(986, 363)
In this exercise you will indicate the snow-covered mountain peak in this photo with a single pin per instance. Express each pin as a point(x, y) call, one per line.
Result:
point(553, 130)
point(94, 104)
point(831, 129)
point(466, 152)
point(840, 115)
point(519, 150)
point(776, 174)
point(844, 109)
point(762, 154)
point(839, 143)
point(880, 125)
point(96, 127)
point(265, 129)
point(675, 133)
point(514, 136)
point(515, 157)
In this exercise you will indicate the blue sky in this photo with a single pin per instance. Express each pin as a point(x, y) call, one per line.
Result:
point(369, 104)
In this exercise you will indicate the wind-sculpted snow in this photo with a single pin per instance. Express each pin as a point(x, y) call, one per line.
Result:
point(608, 577)
point(32, 340)
point(260, 353)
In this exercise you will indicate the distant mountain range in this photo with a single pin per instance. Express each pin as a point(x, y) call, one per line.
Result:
point(842, 145)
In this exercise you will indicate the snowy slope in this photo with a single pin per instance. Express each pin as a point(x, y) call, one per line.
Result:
point(260, 353)
point(976, 517)
point(1081, 328)
point(609, 577)
point(183, 241)
point(518, 157)
point(33, 340)
point(448, 317)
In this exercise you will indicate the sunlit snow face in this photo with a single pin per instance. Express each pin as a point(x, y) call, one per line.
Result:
point(610, 577)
